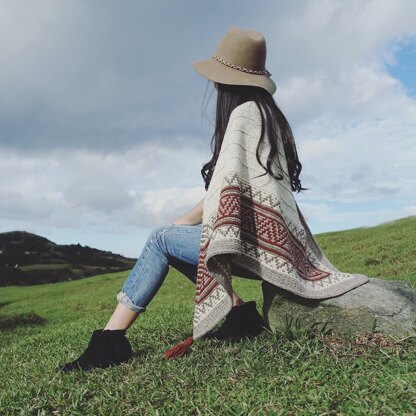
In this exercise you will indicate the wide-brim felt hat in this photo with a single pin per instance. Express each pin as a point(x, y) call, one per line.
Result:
point(240, 59)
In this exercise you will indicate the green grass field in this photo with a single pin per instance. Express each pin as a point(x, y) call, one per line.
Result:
point(308, 374)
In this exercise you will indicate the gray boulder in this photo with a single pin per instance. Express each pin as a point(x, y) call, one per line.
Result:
point(377, 306)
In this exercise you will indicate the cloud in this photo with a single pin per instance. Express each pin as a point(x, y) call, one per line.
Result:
point(92, 75)
point(141, 187)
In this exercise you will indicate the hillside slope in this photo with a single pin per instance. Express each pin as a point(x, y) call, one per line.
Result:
point(387, 250)
point(303, 375)
point(27, 258)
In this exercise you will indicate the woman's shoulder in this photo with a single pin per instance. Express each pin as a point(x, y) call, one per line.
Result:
point(246, 113)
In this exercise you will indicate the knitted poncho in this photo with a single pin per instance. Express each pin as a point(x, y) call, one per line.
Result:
point(255, 223)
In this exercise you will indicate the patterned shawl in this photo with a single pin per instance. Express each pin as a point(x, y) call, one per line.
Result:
point(255, 223)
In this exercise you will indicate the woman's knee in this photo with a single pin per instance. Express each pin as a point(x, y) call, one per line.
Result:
point(157, 233)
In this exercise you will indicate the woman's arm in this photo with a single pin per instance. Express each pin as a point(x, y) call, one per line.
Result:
point(192, 217)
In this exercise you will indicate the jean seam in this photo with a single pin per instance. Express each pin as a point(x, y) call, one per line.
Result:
point(163, 232)
point(132, 282)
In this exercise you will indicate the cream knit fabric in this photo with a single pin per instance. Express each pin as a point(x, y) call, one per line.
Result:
point(256, 224)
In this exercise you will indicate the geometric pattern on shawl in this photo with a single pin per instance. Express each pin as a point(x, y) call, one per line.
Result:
point(255, 223)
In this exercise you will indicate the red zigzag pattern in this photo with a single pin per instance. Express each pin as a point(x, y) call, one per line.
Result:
point(261, 226)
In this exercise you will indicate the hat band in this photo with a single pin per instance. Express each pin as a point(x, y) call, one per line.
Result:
point(240, 68)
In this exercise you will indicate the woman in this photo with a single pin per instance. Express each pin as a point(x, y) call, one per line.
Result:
point(177, 244)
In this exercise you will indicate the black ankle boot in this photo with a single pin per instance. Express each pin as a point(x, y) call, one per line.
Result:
point(105, 348)
point(242, 321)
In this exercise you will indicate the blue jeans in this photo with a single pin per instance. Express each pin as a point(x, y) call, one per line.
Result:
point(176, 245)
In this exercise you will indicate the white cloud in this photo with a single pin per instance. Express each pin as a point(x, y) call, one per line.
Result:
point(354, 124)
point(143, 187)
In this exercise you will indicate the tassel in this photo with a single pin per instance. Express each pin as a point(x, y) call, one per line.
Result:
point(179, 349)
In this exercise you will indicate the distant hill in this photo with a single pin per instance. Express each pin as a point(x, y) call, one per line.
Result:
point(27, 259)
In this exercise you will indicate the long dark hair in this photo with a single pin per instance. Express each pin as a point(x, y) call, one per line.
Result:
point(231, 96)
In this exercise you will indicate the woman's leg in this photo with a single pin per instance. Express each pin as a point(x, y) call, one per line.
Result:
point(143, 281)
point(176, 245)
point(122, 318)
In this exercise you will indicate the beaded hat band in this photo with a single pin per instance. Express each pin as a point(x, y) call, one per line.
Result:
point(250, 71)
point(240, 59)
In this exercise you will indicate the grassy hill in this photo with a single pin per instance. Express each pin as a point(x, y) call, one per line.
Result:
point(45, 325)
point(29, 259)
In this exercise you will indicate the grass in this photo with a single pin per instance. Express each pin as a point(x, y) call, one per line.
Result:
point(46, 266)
point(53, 266)
point(295, 372)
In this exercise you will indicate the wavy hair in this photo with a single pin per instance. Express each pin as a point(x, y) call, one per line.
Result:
point(231, 96)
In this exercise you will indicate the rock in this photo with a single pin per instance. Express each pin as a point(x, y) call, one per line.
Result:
point(390, 305)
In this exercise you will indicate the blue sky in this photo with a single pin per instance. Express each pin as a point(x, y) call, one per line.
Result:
point(404, 66)
point(102, 135)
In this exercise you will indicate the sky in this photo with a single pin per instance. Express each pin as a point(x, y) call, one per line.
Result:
point(103, 133)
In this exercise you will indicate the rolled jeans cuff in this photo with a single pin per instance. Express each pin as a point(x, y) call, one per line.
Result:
point(126, 301)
